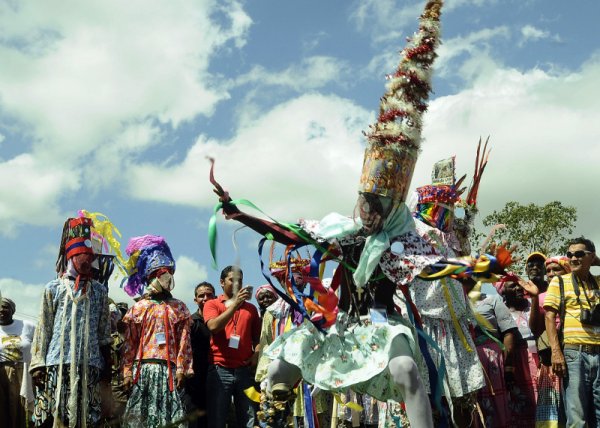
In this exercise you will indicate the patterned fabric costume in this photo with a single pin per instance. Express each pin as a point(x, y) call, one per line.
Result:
point(74, 325)
point(157, 346)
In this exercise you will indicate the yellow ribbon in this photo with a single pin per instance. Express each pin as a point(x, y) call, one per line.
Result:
point(252, 394)
point(350, 404)
point(455, 322)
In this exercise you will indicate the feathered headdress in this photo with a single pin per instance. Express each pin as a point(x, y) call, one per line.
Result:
point(393, 142)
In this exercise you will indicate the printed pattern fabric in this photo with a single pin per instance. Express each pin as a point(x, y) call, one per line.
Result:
point(15, 341)
point(151, 404)
point(493, 399)
point(550, 412)
point(523, 394)
point(46, 399)
point(348, 356)
point(52, 335)
point(463, 368)
point(146, 330)
point(401, 266)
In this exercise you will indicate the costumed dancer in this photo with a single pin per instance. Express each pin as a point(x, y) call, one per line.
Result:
point(71, 345)
point(442, 303)
point(157, 353)
point(372, 355)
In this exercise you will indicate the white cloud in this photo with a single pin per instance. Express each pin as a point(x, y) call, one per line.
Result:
point(79, 76)
point(311, 73)
point(544, 129)
point(187, 275)
point(531, 33)
point(31, 192)
point(476, 45)
point(292, 156)
point(27, 297)
point(386, 20)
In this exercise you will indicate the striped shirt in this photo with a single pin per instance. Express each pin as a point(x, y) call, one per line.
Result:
point(574, 332)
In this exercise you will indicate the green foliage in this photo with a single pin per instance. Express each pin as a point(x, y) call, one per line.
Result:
point(533, 227)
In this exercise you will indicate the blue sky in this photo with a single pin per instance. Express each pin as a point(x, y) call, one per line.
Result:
point(113, 107)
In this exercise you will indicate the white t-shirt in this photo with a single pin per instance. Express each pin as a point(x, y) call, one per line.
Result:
point(15, 341)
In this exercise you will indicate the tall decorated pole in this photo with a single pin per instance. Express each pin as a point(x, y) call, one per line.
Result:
point(394, 141)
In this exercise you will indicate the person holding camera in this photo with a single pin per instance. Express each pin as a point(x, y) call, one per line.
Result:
point(235, 327)
point(576, 345)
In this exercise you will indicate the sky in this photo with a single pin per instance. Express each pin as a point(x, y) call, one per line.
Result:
point(114, 106)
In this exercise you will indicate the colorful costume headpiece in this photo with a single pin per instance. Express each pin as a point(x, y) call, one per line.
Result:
point(443, 189)
point(393, 142)
point(436, 201)
point(147, 254)
point(89, 233)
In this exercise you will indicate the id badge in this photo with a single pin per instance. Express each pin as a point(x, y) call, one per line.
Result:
point(378, 316)
point(234, 341)
point(160, 339)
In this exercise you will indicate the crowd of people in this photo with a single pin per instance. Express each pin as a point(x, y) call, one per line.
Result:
point(93, 362)
point(400, 335)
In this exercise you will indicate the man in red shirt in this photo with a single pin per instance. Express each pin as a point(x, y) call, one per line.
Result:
point(235, 327)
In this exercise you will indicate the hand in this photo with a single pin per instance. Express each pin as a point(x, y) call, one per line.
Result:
point(222, 194)
point(559, 365)
point(241, 296)
point(128, 383)
point(39, 377)
point(253, 360)
point(180, 380)
point(529, 286)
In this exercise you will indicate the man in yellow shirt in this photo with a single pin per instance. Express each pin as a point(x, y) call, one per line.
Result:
point(576, 358)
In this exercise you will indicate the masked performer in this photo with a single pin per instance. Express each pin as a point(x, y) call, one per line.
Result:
point(157, 353)
point(372, 356)
point(71, 345)
point(442, 303)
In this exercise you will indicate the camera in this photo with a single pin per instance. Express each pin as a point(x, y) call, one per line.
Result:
point(591, 316)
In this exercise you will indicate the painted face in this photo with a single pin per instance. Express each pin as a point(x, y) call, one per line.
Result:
point(266, 298)
point(203, 295)
point(580, 258)
point(535, 268)
point(232, 282)
point(554, 269)
point(373, 211)
point(83, 263)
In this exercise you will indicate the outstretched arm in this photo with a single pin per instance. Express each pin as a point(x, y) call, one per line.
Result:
point(262, 226)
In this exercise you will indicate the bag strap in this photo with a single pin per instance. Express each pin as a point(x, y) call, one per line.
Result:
point(561, 309)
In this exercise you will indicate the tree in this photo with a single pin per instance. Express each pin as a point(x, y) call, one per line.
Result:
point(533, 227)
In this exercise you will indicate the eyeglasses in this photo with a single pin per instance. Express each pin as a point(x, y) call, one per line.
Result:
point(578, 254)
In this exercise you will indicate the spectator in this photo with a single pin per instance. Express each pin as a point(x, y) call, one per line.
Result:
point(523, 393)
point(550, 405)
point(196, 385)
point(157, 352)
point(265, 296)
point(498, 365)
point(15, 355)
point(575, 356)
point(235, 327)
point(71, 345)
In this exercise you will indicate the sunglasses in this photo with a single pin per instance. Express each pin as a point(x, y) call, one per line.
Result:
point(578, 254)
